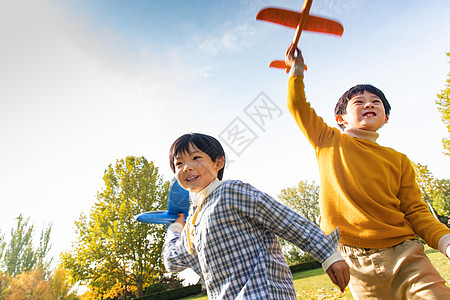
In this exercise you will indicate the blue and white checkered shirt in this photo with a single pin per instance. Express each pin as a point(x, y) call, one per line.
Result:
point(236, 250)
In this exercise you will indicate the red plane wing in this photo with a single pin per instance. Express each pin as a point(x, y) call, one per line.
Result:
point(291, 18)
point(280, 64)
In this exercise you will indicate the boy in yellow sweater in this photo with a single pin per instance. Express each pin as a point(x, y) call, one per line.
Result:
point(370, 193)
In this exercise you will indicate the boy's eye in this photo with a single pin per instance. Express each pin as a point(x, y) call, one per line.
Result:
point(196, 157)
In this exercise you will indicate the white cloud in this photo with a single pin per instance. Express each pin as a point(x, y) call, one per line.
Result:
point(229, 40)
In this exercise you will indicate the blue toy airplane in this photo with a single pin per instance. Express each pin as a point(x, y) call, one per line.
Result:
point(178, 202)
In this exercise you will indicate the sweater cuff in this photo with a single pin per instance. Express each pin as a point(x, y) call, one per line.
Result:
point(173, 232)
point(444, 242)
point(175, 226)
point(331, 260)
point(296, 70)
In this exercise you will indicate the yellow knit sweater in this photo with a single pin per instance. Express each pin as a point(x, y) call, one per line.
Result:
point(367, 190)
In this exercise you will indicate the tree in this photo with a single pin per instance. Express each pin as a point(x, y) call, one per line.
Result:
point(20, 260)
point(442, 200)
point(426, 182)
point(60, 285)
point(113, 252)
point(30, 285)
point(2, 245)
point(435, 192)
point(19, 255)
point(4, 280)
point(304, 199)
point(43, 249)
point(443, 103)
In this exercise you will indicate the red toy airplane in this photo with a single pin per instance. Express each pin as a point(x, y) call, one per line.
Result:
point(300, 21)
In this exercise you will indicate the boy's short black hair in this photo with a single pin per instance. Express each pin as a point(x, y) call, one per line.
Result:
point(341, 106)
point(202, 142)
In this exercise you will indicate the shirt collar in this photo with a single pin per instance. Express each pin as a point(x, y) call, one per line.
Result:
point(198, 197)
point(362, 134)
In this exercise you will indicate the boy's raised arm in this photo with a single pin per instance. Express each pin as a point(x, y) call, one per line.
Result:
point(338, 271)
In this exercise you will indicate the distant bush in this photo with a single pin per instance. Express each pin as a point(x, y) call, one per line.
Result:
point(174, 294)
point(305, 266)
point(155, 288)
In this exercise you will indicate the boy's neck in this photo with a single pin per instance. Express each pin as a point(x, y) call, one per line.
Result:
point(198, 197)
point(362, 134)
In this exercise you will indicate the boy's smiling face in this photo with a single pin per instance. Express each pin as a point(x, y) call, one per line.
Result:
point(364, 111)
point(195, 170)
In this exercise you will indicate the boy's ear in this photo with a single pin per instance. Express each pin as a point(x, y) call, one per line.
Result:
point(340, 120)
point(220, 162)
point(386, 119)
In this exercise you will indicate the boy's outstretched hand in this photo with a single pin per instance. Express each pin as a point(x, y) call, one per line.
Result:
point(339, 273)
point(291, 59)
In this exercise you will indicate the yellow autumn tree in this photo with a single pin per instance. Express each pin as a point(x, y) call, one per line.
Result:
point(30, 285)
point(114, 255)
point(443, 103)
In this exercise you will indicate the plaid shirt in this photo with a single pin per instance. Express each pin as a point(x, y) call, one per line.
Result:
point(236, 250)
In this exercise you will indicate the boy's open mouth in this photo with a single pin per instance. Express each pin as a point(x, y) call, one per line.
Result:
point(369, 114)
point(192, 178)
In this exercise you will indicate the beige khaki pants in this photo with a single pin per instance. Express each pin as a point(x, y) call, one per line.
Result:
point(397, 273)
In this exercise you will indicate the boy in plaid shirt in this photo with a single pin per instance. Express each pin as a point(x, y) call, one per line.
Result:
point(230, 237)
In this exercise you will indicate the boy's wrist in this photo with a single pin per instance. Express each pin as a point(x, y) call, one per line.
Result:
point(296, 70)
point(175, 226)
point(444, 243)
point(173, 231)
point(336, 256)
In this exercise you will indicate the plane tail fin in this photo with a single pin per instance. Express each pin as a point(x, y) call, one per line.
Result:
point(178, 202)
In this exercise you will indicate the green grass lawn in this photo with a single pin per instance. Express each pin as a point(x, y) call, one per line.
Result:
point(315, 284)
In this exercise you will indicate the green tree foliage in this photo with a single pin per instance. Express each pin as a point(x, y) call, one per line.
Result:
point(24, 267)
point(60, 286)
point(19, 254)
point(2, 245)
point(43, 249)
point(115, 254)
point(435, 192)
point(424, 179)
point(304, 199)
point(443, 103)
point(442, 200)
point(426, 182)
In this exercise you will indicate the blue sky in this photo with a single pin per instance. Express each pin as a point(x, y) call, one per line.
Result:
point(84, 83)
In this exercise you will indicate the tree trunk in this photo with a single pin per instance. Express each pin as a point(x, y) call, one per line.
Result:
point(139, 284)
point(124, 296)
